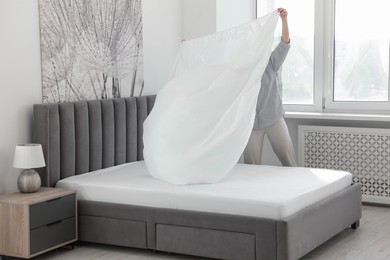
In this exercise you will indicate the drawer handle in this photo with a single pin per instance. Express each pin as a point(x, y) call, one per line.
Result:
point(54, 223)
point(53, 199)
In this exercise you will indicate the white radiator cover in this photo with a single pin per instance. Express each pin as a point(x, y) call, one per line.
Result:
point(364, 152)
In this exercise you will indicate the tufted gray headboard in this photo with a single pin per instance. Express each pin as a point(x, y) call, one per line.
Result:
point(79, 137)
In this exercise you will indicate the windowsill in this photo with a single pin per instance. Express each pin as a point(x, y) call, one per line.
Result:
point(338, 116)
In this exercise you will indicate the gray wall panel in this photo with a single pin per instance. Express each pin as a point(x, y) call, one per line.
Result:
point(68, 140)
point(54, 144)
point(131, 130)
point(82, 137)
point(108, 131)
point(40, 136)
point(95, 135)
point(120, 130)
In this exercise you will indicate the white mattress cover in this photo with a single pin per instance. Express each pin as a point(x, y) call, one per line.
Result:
point(250, 190)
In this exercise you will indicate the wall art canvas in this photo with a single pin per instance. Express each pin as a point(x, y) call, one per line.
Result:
point(91, 49)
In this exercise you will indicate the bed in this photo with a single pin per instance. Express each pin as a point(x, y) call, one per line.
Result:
point(90, 145)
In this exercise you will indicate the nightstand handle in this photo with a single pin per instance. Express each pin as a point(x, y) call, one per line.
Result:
point(53, 199)
point(54, 223)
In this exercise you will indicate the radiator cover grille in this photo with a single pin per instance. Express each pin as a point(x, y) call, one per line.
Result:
point(365, 152)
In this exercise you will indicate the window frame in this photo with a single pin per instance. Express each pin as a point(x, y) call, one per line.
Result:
point(323, 71)
point(330, 105)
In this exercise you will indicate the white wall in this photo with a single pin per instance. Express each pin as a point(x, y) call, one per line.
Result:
point(20, 84)
point(203, 17)
point(162, 35)
point(198, 18)
point(231, 13)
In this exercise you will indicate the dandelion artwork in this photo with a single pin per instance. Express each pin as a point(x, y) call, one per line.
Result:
point(91, 49)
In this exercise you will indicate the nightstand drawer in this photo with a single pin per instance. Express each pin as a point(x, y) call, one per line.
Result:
point(52, 234)
point(52, 210)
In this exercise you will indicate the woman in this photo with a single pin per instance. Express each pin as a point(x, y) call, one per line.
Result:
point(269, 111)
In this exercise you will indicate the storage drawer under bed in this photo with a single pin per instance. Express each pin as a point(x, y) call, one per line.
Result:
point(205, 242)
point(112, 231)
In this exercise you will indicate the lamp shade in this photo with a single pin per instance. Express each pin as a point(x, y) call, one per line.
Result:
point(28, 156)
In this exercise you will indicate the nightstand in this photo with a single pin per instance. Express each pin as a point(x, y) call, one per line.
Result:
point(34, 223)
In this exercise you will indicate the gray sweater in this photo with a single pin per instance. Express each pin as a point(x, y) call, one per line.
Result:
point(269, 107)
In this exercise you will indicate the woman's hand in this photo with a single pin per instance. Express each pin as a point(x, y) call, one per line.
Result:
point(283, 13)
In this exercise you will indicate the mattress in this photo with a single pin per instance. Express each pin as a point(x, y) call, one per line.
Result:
point(250, 190)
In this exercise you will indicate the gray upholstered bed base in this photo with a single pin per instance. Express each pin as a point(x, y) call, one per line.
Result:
point(219, 235)
point(85, 136)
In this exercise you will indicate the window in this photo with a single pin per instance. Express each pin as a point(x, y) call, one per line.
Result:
point(361, 48)
point(339, 57)
point(297, 71)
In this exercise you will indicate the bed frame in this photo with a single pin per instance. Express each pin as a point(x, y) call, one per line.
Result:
point(85, 136)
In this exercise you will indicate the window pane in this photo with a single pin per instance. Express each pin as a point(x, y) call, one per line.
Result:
point(362, 36)
point(298, 69)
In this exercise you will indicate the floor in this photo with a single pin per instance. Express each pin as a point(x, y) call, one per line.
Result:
point(370, 242)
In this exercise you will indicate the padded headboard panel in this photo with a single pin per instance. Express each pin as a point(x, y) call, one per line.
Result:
point(79, 137)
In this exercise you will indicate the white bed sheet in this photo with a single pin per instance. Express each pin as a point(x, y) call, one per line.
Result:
point(250, 190)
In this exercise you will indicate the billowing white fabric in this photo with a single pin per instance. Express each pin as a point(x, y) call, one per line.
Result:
point(203, 117)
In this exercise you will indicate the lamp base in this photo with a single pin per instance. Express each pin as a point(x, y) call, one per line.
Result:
point(29, 181)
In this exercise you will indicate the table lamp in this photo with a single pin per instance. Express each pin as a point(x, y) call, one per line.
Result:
point(28, 157)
